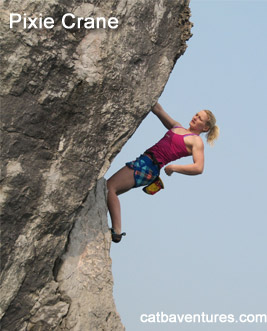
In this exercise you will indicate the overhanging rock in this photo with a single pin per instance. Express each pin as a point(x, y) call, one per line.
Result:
point(70, 99)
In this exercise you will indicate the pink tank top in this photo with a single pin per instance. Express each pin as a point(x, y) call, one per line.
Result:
point(170, 148)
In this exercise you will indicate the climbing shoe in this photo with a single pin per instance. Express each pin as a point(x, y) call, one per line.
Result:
point(116, 238)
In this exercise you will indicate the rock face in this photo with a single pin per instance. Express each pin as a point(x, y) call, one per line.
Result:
point(70, 99)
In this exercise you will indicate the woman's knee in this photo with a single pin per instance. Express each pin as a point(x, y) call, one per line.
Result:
point(121, 181)
point(113, 185)
point(110, 185)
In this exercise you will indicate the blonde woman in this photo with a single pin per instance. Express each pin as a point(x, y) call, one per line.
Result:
point(178, 142)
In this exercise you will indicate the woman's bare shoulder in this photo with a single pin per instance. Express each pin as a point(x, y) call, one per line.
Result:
point(194, 140)
point(198, 141)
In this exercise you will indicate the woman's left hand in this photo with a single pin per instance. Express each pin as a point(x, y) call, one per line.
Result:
point(168, 170)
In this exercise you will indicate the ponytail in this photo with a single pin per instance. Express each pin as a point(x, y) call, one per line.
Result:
point(214, 131)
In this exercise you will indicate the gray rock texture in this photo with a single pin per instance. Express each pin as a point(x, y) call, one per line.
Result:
point(70, 99)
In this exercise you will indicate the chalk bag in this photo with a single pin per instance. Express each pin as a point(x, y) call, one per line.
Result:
point(154, 187)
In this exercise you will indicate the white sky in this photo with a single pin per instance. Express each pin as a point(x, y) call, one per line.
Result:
point(200, 244)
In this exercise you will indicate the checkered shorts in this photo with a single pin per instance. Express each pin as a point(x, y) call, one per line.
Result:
point(145, 171)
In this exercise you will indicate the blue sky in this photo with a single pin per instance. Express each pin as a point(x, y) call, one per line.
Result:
point(200, 244)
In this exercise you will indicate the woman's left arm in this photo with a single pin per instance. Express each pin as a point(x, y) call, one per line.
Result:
point(195, 168)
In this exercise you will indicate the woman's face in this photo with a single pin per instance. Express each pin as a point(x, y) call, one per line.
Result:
point(199, 121)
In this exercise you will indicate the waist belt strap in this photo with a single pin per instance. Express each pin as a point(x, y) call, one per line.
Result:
point(155, 161)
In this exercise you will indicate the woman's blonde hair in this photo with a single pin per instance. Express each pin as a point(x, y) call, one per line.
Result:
point(214, 131)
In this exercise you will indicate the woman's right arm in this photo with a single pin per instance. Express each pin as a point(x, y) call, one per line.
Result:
point(165, 118)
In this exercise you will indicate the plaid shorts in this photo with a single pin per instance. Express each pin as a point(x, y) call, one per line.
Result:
point(145, 171)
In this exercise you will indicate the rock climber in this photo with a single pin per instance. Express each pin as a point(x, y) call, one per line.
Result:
point(178, 142)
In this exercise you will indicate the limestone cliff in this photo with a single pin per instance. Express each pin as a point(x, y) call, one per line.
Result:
point(70, 99)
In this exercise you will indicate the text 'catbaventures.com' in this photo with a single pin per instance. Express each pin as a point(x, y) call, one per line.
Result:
point(161, 317)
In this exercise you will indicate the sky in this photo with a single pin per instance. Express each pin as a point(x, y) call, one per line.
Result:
point(200, 244)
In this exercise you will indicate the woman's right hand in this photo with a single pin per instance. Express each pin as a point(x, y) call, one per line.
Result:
point(164, 117)
point(156, 108)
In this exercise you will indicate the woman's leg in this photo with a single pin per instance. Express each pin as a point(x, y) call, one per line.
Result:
point(121, 182)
